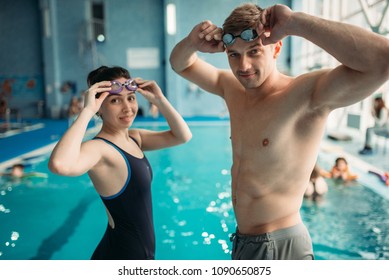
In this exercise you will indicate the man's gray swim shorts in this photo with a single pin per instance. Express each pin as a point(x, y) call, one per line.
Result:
point(292, 243)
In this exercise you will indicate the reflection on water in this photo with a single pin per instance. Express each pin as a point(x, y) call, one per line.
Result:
point(11, 235)
point(193, 213)
point(11, 191)
point(351, 222)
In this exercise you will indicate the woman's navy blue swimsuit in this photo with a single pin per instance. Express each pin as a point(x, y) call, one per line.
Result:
point(131, 209)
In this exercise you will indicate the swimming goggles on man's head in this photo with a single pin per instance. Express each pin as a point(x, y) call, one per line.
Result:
point(247, 35)
point(117, 87)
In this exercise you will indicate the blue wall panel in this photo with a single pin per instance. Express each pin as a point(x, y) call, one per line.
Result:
point(36, 66)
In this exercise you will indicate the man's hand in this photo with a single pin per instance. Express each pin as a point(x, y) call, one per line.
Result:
point(207, 37)
point(274, 23)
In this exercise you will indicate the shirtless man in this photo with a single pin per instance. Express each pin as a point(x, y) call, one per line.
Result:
point(277, 121)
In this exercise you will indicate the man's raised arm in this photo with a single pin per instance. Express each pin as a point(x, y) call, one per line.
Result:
point(204, 37)
point(363, 54)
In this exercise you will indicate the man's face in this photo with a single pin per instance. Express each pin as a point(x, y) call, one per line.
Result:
point(251, 62)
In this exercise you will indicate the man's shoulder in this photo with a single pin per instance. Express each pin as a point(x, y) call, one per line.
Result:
point(305, 83)
point(310, 76)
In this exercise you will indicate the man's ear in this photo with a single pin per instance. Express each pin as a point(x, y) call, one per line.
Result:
point(277, 49)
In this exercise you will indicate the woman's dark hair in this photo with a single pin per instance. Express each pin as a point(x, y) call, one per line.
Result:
point(105, 73)
point(380, 105)
point(341, 159)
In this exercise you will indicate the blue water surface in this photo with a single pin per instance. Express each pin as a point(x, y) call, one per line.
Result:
point(63, 218)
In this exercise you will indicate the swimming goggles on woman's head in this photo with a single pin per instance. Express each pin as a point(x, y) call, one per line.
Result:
point(247, 35)
point(117, 87)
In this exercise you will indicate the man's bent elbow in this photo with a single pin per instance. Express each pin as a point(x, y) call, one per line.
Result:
point(175, 67)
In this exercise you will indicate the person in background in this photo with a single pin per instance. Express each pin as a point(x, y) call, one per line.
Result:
point(74, 109)
point(3, 108)
point(278, 121)
point(383, 176)
point(381, 124)
point(18, 172)
point(153, 111)
point(115, 159)
point(341, 170)
point(317, 186)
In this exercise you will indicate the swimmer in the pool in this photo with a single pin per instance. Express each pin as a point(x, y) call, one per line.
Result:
point(115, 161)
point(278, 121)
point(341, 170)
point(317, 186)
point(17, 172)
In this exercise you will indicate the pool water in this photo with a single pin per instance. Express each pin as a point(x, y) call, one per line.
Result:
point(63, 218)
point(351, 222)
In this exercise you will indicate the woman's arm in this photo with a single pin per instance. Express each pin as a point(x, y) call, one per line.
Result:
point(179, 132)
point(205, 37)
point(70, 156)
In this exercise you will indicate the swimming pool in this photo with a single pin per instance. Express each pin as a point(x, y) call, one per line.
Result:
point(63, 218)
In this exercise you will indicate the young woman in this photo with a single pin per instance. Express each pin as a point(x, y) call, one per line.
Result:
point(317, 186)
point(341, 170)
point(381, 125)
point(115, 161)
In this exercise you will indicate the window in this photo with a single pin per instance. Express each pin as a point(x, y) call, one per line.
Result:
point(98, 22)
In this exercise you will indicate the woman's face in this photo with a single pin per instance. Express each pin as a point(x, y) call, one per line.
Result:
point(120, 109)
point(341, 164)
